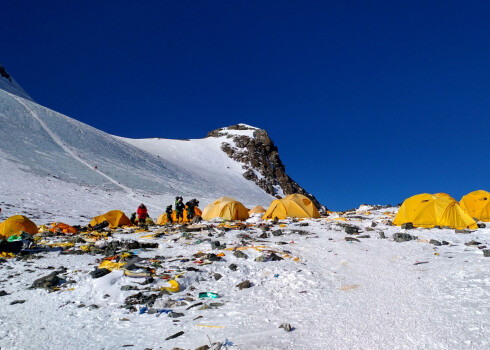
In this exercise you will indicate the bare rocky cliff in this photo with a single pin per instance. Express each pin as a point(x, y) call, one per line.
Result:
point(261, 162)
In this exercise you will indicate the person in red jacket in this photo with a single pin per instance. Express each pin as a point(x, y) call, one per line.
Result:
point(142, 213)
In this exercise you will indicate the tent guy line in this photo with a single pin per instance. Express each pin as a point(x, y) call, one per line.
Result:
point(59, 142)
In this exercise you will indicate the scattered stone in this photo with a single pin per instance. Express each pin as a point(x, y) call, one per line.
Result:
point(124, 319)
point(204, 307)
point(17, 302)
point(464, 231)
point(445, 243)
point(215, 244)
point(389, 223)
point(178, 334)
point(303, 224)
point(275, 257)
point(287, 327)
point(351, 230)
point(48, 282)
point(241, 255)
point(98, 273)
point(351, 239)
point(129, 287)
point(260, 258)
point(204, 347)
point(213, 257)
point(381, 235)
point(486, 253)
point(369, 229)
point(403, 237)
point(217, 276)
point(3, 293)
point(175, 314)
point(194, 305)
point(374, 224)
point(435, 242)
point(244, 284)
point(264, 235)
point(92, 307)
point(364, 236)
point(481, 225)
point(472, 242)
point(407, 226)
point(277, 233)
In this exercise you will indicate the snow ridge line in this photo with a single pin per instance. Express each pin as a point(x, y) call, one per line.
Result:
point(60, 143)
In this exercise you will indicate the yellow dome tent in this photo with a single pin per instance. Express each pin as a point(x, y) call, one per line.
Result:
point(227, 208)
point(256, 210)
point(14, 224)
point(293, 206)
point(115, 218)
point(162, 219)
point(428, 210)
point(442, 194)
point(477, 205)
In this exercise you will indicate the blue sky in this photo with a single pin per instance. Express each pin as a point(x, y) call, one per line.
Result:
point(368, 102)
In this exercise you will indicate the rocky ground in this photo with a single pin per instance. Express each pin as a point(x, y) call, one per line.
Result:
point(348, 281)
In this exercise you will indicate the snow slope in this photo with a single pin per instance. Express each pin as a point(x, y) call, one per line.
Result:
point(39, 145)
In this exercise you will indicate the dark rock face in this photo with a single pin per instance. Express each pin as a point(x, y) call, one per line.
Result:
point(259, 155)
point(4, 73)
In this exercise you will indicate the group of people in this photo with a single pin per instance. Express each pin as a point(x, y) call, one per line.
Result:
point(189, 207)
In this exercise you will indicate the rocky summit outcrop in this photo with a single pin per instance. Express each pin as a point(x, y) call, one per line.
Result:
point(261, 162)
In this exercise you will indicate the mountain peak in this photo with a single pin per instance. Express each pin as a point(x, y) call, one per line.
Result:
point(8, 84)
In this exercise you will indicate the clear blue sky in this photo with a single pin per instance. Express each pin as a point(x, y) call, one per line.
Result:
point(368, 102)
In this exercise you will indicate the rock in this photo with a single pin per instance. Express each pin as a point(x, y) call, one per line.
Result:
point(381, 235)
point(274, 257)
point(464, 231)
point(472, 242)
point(407, 226)
point(351, 239)
point(481, 225)
point(175, 314)
point(204, 307)
point(233, 267)
point(213, 257)
point(178, 334)
point(241, 255)
point(244, 284)
point(369, 229)
point(364, 236)
point(204, 347)
point(99, 273)
point(217, 276)
point(303, 224)
point(260, 258)
point(17, 302)
point(351, 230)
point(287, 327)
point(264, 235)
point(215, 305)
point(403, 237)
point(215, 244)
point(435, 242)
point(3, 293)
point(389, 223)
point(277, 233)
point(486, 253)
point(374, 224)
point(47, 282)
point(129, 287)
point(445, 243)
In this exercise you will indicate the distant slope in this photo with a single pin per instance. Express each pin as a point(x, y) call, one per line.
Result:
point(7, 83)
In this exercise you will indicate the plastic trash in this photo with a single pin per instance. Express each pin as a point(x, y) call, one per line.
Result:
point(174, 286)
point(143, 310)
point(208, 295)
point(161, 311)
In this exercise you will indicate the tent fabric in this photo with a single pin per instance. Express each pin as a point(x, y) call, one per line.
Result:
point(62, 227)
point(116, 218)
point(293, 206)
point(256, 210)
point(428, 210)
point(162, 219)
point(442, 194)
point(477, 204)
point(226, 208)
point(14, 224)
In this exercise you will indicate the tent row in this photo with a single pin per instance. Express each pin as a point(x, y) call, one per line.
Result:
point(442, 210)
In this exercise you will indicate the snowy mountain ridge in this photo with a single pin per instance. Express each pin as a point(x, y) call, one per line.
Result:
point(61, 162)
